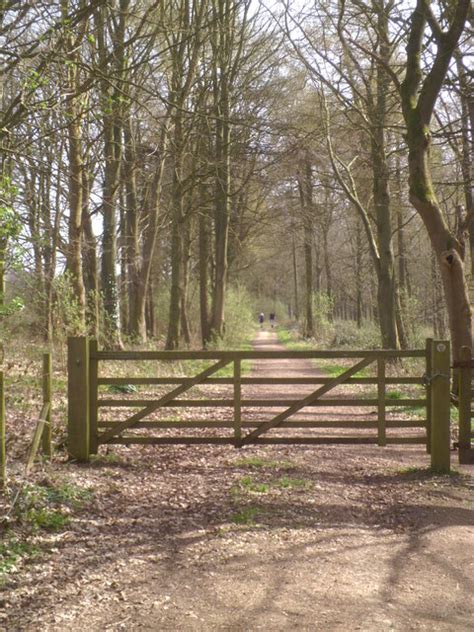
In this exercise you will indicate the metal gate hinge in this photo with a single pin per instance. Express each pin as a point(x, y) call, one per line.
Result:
point(428, 379)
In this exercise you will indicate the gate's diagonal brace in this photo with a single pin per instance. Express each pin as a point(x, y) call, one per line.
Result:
point(276, 421)
point(134, 419)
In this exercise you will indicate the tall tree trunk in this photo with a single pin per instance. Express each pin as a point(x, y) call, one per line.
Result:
point(204, 255)
point(305, 186)
point(295, 274)
point(177, 243)
point(150, 318)
point(176, 293)
point(90, 264)
point(418, 101)
point(359, 275)
point(386, 272)
point(76, 174)
point(112, 115)
point(467, 150)
point(132, 235)
point(222, 208)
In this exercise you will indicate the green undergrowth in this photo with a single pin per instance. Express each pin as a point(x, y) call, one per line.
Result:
point(249, 485)
point(334, 369)
point(394, 395)
point(246, 516)
point(36, 509)
point(293, 341)
point(48, 506)
point(417, 473)
point(285, 482)
point(12, 551)
point(259, 462)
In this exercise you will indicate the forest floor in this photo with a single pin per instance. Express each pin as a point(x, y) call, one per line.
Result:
point(205, 538)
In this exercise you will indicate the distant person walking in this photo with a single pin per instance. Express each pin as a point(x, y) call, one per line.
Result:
point(272, 319)
point(261, 319)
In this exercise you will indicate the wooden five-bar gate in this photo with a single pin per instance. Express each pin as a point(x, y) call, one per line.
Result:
point(242, 422)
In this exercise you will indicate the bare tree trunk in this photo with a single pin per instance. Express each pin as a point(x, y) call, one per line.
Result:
point(386, 279)
point(467, 151)
point(90, 265)
point(112, 138)
point(150, 309)
point(222, 208)
point(132, 234)
point(204, 276)
point(76, 174)
point(305, 187)
point(295, 274)
point(359, 274)
point(418, 101)
point(177, 245)
point(174, 319)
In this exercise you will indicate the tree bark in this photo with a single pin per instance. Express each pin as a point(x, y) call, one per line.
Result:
point(418, 101)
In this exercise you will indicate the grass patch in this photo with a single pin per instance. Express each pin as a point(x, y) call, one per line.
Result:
point(47, 519)
point(11, 552)
point(415, 411)
point(258, 462)
point(394, 395)
point(48, 506)
point(71, 495)
point(285, 482)
point(246, 516)
point(334, 370)
point(37, 508)
point(427, 472)
point(247, 483)
point(292, 340)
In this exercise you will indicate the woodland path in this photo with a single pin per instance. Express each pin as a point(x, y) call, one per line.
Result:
point(338, 538)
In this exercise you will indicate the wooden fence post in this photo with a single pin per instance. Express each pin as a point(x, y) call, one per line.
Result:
point(78, 398)
point(93, 393)
point(237, 401)
point(429, 346)
point(3, 452)
point(464, 384)
point(381, 421)
point(47, 380)
point(440, 406)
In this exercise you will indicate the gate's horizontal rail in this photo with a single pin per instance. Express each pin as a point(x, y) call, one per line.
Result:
point(254, 403)
point(263, 441)
point(150, 381)
point(254, 355)
point(297, 423)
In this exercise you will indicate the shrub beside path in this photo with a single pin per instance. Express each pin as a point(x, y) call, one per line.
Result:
point(267, 538)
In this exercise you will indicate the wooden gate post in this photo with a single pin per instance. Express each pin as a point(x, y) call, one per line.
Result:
point(440, 406)
point(237, 401)
point(93, 393)
point(47, 380)
point(381, 420)
point(3, 452)
point(78, 443)
point(429, 352)
point(464, 384)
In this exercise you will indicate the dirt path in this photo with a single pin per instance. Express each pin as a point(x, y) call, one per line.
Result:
point(266, 538)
